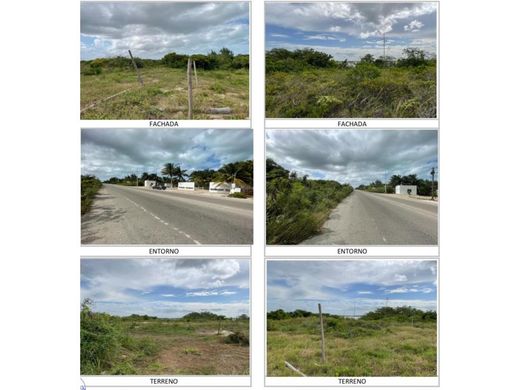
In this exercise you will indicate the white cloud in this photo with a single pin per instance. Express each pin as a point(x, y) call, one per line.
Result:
point(414, 26)
point(153, 29)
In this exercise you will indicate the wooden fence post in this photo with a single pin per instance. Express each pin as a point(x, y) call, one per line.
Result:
point(190, 93)
point(195, 70)
point(136, 68)
point(322, 335)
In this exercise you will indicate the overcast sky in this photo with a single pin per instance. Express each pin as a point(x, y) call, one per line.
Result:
point(153, 29)
point(168, 288)
point(351, 30)
point(119, 152)
point(354, 156)
point(351, 287)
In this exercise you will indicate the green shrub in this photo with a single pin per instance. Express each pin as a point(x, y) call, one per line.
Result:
point(90, 185)
point(237, 338)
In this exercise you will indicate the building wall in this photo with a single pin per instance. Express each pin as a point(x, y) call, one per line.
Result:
point(403, 190)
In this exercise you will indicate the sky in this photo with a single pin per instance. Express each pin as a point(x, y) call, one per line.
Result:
point(106, 153)
point(166, 288)
point(354, 156)
point(153, 29)
point(351, 30)
point(351, 287)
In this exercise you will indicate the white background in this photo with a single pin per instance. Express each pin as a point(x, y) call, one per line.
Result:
point(39, 142)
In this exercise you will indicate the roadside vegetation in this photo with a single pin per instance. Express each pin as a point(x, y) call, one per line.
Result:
point(90, 185)
point(222, 81)
point(311, 84)
point(196, 344)
point(424, 187)
point(399, 341)
point(297, 207)
point(238, 172)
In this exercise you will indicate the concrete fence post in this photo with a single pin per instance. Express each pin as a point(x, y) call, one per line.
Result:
point(136, 68)
point(190, 92)
point(322, 335)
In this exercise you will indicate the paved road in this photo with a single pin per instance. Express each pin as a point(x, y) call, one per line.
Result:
point(366, 218)
point(129, 215)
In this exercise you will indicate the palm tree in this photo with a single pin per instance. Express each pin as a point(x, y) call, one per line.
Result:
point(170, 170)
point(180, 174)
point(230, 173)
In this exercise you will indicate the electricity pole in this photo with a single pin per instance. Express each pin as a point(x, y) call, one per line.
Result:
point(433, 183)
point(384, 48)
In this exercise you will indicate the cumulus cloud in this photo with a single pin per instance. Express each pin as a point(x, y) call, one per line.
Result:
point(119, 152)
point(301, 285)
point(354, 156)
point(144, 286)
point(153, 29)
point(353, 23)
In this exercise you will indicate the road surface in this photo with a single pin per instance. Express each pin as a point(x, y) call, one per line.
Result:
point(130, 215)
point(366, 218)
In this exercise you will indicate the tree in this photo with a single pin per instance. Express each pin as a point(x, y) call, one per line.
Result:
point(367, 58)
point(170, 170)
point(239, 172)
point(202, 178)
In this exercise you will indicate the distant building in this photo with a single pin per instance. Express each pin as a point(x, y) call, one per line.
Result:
point(405, 190)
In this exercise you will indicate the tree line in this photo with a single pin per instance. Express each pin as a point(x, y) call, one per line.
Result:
point(283, 60)
point(298, 206)
point(401, 313)
point(424, 187)
point(223, 59)
point(238, 172)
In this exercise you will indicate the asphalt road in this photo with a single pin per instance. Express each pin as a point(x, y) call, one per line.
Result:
point(366, 218)
point(129, 215)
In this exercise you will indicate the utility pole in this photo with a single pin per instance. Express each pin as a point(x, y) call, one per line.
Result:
point(136, 68)
point(384, 48)
point(433, 183)
point(322, 335)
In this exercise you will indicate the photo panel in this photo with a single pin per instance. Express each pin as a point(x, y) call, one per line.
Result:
point(182, 187)
point(372, 189)
point(185, 60)
point(165, 321)
point(351, 322)
point(347, 59)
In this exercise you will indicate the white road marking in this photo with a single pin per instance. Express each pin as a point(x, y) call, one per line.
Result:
point(163, 222)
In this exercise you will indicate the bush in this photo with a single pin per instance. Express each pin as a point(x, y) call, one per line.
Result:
point(238, 195)
point(297, 207)
point(237, 338)
point(90, 185)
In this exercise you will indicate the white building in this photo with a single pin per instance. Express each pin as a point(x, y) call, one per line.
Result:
point(406, 190)
point(149, 183)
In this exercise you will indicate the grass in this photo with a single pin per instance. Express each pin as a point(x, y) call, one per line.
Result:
point(164, 94)
point(90, 186)
point(353, 347)
point(134, 346)
point(364, 91)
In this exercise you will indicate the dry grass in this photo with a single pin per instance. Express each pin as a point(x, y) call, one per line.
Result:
point(164, 95)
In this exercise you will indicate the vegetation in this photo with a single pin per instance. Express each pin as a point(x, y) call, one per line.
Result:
point(147, 345)
point(298, 207)
point(222, 81)
point(310, 84)
point(389, 341)
point(239, 172)
point(90, 185)
point(424, 187)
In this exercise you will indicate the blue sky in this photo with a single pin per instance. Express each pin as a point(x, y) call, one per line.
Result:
point(119, 152)
point(153, 29)
point(168, 288)
point(351, 30)
point(351, 287)
point(354, 156)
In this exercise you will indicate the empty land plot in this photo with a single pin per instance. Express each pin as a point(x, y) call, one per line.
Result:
point(352, 347)
point(153, 346)
point(117, 94)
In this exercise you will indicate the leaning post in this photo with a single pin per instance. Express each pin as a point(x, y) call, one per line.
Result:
point(136, 68)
